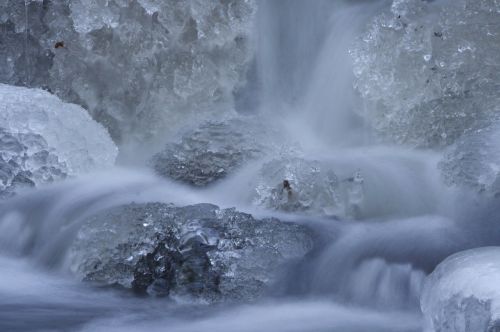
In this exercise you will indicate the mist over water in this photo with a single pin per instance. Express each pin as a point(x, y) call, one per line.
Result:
point(366, 268)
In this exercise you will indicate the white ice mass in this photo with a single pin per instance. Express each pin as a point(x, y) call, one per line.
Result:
point(45, 138)
point(463, 292)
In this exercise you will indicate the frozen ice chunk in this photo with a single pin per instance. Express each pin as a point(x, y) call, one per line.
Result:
point(463, 294)
point(211, 151)
point(309, 186)
point(430, 69)
point(295, 184)
point(43, 138)
point(196, 251)
point(25, 161)
point(474, 161)
point(138, 67)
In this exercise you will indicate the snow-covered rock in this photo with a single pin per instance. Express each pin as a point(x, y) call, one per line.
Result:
point(197, 251)
point(463, 292)
point(43, 139)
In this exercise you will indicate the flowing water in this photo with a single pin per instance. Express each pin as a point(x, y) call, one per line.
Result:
point(361, 275)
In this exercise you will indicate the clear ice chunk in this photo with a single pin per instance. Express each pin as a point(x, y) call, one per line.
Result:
point(197, 251)
point(138, 67)
point(43, 139)
point(462, 294)
point(473, 162)
point(430, 70)
point(294, 184)
point(212, 151)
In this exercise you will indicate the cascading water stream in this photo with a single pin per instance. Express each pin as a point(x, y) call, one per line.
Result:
point(306, 73)
point(311, 93)
point(385, 218)
point(43, 224)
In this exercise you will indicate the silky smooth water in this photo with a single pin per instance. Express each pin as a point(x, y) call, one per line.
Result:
point(362, 275)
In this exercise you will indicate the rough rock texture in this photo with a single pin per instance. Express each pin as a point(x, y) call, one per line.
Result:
point(137, 66)
point(44, 139)
point(431, 70)
point(195, 251)
point(211, 151)
point(462, 294)
point(312, 187)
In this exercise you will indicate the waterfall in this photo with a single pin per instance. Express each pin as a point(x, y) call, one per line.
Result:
point(305, 68)
point(298, 215)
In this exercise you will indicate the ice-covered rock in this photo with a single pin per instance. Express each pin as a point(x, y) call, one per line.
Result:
point(26, 160)
point(197, 251)
point(473, 162)
point(430, 69)
point(212, 151)
point(463, 294)
point(43, 139)
point(295, 184)
point(137, 66)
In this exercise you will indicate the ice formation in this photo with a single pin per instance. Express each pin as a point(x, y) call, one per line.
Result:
point(212, 151)
point(431, 70)
point(43, 139)
point(136, 66)
point(25, 160)
point(474, 161)
point(462, 294)
point(295, 184)
point(196, 251)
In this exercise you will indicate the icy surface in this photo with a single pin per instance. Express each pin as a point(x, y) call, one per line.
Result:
point(462, 294)
point(43, 139)
point(25, 161)
point(137, 66)
point(431, 70)
point(195, 251)
point(311, 187)
point(212, 151)
point(474, 161)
